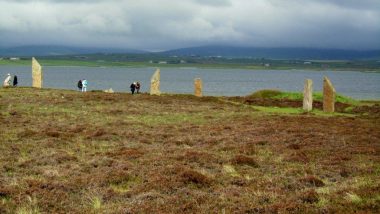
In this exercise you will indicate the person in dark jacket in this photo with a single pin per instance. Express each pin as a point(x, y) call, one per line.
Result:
point(137, 87)
point(15, 81)
point(133, 87)
point(80, 85)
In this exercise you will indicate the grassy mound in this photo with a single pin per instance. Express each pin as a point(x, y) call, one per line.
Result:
point(278, 95)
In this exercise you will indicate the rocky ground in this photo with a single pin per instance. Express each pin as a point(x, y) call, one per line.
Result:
point(71, 152)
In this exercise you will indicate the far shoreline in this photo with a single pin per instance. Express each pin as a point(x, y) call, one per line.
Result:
point(89, 64)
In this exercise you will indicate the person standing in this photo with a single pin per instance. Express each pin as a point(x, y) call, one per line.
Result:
point(7, 81)
point(133, 87)
point(84, 85)
point(138, 87)
point(15, 81)
point(80, 85)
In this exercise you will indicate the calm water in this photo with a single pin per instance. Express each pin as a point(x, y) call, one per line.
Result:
point(219, 82)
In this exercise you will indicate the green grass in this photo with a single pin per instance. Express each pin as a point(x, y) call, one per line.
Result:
point(317, 96)
point(278, 110)
point(143, 61)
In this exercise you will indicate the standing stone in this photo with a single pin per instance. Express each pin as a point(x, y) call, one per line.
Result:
point(198, 87)
point(308, 95)
point(7, 81)
point(155, 83)
point(36, 74)
point(328, 96)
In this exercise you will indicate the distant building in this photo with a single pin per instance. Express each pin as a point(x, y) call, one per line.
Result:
point(307, 63)
point(14, 58)
point(267, 65)
point(162, 62)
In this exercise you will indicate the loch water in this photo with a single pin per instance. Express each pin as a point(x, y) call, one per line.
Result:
point(216, 82)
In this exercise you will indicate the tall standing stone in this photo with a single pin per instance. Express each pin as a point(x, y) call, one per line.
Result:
point(37, 74)
point(308, 95)
point(328, 96)
point(198, 87)
point(155, 83)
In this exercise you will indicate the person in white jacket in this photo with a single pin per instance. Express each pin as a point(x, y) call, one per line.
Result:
point(84, 85)
point(7, 81)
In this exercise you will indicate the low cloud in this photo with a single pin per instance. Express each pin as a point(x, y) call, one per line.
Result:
point(165, 24)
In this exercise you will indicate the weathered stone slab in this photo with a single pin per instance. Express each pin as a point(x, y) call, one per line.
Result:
point(328, 96)
point(37, 74)
point(7, 81)
point(198, 87)
point(308, 95)
point(155, 83)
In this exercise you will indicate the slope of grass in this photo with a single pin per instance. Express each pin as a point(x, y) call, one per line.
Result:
point(317, 96)
point(64, 151)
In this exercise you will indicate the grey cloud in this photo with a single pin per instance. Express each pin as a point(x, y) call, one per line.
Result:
point(218, 3)
point(354, 4)
point(165, 24)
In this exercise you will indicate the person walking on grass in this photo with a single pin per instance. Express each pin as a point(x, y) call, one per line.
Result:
point(84, 85)
point(15, 81)
point(7, 81)
point(133, 87)
point(80, 85)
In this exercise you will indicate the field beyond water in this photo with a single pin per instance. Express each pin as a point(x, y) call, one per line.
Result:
point(69, 152)
point(200, 62)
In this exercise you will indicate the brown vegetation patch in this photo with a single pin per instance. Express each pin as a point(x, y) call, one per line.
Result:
point(129, 153)
point(199, 157)
point(312, 181)
point(52, 196)
point(13, 113)
point(46, 160)
point(5, 192)
point(97, 133)
point(366, 109)
point(118, 176)
point(244, 160)
point(63, 157)
point(298, 156)
point(192, 176)
point(286, 103)
point(310, 196)
point(77, 129)
point(116, 112)
point(52, 133)
point(339, 107)
point(248, 149)
point(239, 182)
point(288, 206)
point(345, 172)
point(27, 133)
point(272, 102)
point(294, 146)
point(196, 165)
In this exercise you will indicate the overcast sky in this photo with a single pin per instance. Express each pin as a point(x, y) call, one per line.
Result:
point(168, 24)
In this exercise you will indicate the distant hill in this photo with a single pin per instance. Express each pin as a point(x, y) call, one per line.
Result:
point(205, 51)
point(58, 50)
point(276, 53)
